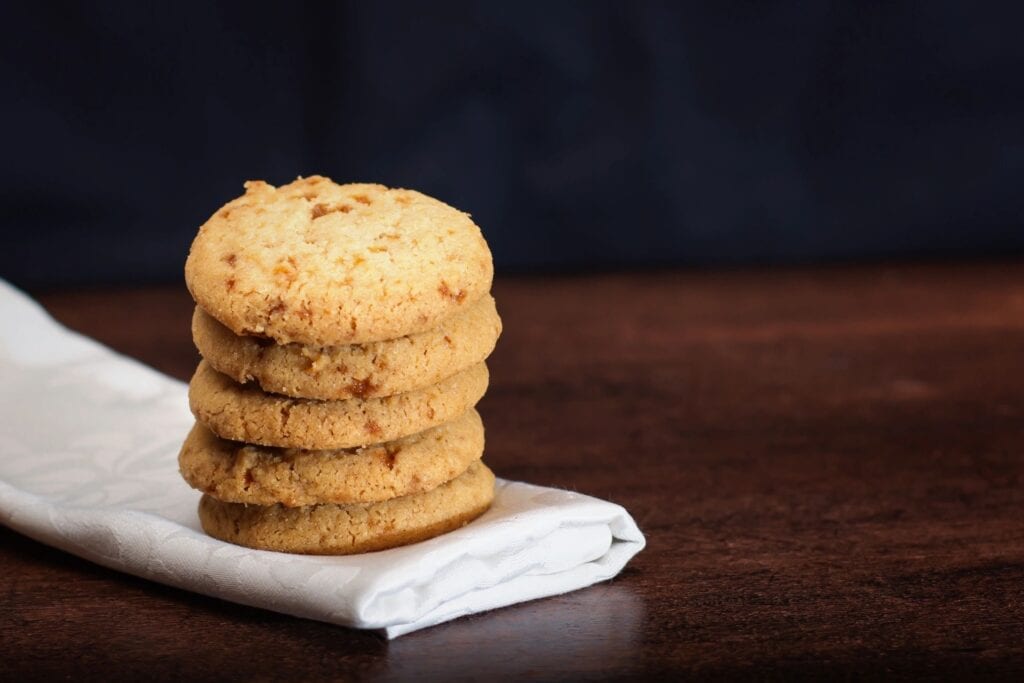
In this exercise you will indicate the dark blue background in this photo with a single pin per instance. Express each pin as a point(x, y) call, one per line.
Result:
point(580, 135)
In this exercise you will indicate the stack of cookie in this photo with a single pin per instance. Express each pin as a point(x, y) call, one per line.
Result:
point(343, 330)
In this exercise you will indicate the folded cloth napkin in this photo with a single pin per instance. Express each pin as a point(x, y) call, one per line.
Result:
point(88, 463)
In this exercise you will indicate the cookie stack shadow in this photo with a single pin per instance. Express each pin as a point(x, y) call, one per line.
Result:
point(306, 445)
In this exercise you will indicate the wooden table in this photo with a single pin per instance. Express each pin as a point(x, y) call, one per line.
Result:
point(827, 464)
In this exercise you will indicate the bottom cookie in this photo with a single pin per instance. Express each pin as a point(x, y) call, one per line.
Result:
point(346, 529)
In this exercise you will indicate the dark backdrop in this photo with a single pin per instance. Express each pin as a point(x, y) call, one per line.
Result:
point(579, 135)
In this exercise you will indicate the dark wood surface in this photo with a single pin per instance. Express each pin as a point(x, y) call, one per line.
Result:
point(827, 464)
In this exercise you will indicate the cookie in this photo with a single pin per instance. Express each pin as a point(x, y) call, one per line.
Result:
point(344, 529)
point(324, 264)
point(241, 473)
point(241, 412)
point(356, 370)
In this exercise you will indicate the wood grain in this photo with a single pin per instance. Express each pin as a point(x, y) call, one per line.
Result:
point(827, 464)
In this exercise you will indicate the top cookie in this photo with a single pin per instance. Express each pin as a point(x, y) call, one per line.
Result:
point(315, 262)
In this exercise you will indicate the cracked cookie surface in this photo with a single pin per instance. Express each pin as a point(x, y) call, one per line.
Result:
point(319, 263)
point(368, 370)
point(242, 412)
point(235, 472)
point(345, 529)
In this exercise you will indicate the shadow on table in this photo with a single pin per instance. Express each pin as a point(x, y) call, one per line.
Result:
point(590, 631)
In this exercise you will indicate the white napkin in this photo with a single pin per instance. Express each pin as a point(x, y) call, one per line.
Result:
point(88, 463)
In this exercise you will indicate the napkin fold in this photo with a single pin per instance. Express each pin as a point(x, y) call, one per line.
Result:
point(88, 463)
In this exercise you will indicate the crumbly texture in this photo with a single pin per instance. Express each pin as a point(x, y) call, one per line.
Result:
point(346, 529)
point(368, 370)
point(242, 473)
point(319, 263)
point(241, 412)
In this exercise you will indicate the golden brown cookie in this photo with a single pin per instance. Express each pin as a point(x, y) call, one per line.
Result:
point(242, 473)
point(356, 370)
point(319, 263)
point(345, 529)
point(241, 412)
